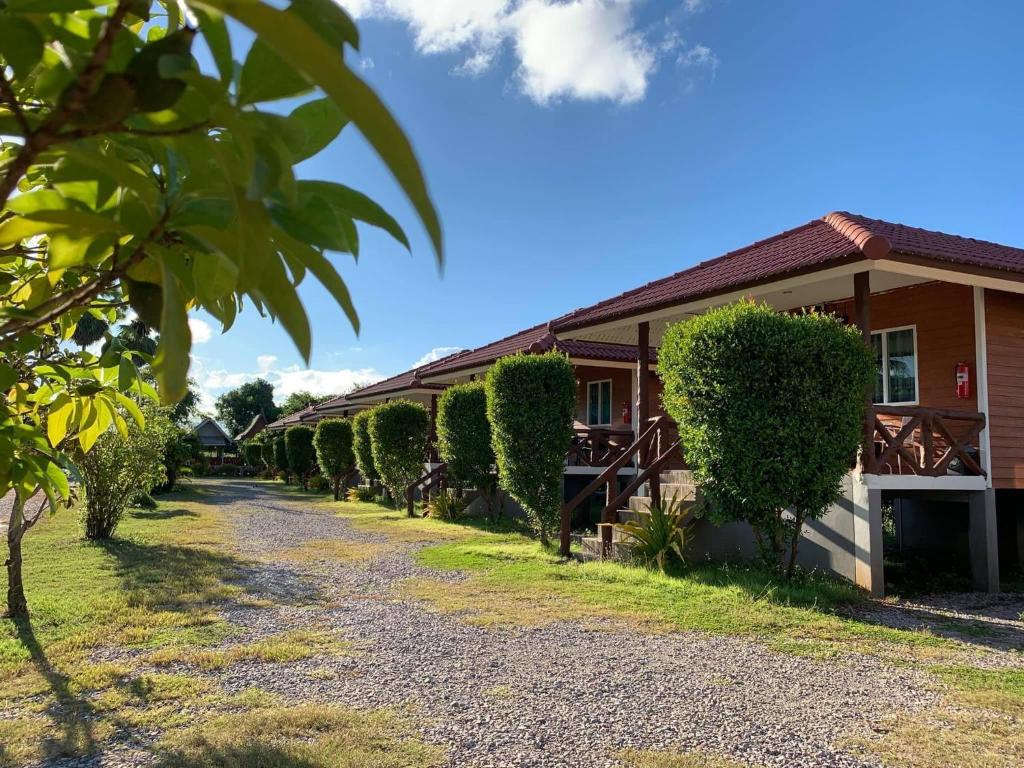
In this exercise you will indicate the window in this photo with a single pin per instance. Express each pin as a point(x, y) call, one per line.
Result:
point(599, 403)
point(896, 359)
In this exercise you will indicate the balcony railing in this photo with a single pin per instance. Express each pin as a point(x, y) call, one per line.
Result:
point(931, 442)
point(597, 446)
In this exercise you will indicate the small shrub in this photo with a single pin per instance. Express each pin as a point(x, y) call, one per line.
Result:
point(362, 493)
point(663, 534)
point(398, 437)
point(224, 470)
point(445, 506)
point(333, 443)
point(319, 483)
point(298, 441)
point(362, 446)
point(143, 501)
point(530, 404)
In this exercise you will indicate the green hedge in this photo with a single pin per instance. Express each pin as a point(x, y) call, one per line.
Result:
point(464, 439)
point(362, 447)
point(530, 404)
point(770, 408)
point(398, 438)
point(298, 441)
point(253, 454)
point(267, 447)
point(333, 443)
point(281, 457)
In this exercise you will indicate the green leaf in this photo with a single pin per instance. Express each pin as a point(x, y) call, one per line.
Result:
point(282, 300)
point(43, 222)
point(267, 77)
point(329, 20)
point(323, 270)
point(356, 205)
point(318, 122)
point(21, 45)
point(8, 377)
point(215, 31)
point(58, 419)
point(172, 354)
point(295, 41)
point(50, 6)
point(159, 90)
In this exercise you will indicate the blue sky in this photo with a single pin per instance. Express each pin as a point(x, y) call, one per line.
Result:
point(579, 149)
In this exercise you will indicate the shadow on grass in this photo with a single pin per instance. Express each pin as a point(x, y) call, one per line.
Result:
point(161, 514)
point(235, 756)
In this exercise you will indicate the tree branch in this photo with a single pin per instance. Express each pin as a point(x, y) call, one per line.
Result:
point(12, 100)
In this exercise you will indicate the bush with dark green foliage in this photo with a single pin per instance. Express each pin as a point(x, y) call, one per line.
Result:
point(464, 440)
point(530, 404)
point(362, 493)
point(770, 408)
point(333, 443)
point(143, 500)
point(298, 441)
point(269, 451)
point(319, 483)
point(398, 438)
point(253, 454)
point(362, 446)
point(281, 458)
point(661, 535)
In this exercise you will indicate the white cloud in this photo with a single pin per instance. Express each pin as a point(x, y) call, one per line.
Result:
point(699, 56)
point(574, 49)
point(201, 330)
point(436, 354)
point(266, 362)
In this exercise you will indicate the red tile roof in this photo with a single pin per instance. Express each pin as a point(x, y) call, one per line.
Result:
point(403, 381)
point(818, 244)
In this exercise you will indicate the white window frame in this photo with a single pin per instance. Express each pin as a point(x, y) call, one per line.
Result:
point(884, 333)
point(611, 399)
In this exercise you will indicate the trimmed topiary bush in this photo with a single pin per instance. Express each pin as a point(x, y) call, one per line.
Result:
point(770, 409)
point(530, 405)
point(298, 442)
point(333, 443)
point(464, 440)
point(362, 447)
point(269, 454)
point(253, 454)
point(281, 458)
point(398, 437)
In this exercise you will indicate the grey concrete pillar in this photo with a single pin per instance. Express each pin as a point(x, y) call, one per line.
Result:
point(867, 537)
point(984, 541)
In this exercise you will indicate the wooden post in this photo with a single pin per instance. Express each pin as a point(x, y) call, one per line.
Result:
point(862, 311)
point(643, 354)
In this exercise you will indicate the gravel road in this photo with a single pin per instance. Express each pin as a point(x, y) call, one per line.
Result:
point(561, 695)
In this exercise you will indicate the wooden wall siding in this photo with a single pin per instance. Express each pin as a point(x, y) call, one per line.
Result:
point(944, 316)
point(1004, 326)
point(621, 390)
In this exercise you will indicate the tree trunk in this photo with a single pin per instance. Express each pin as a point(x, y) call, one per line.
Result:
point(17, 605)
point(794, 546)
point(337, 487)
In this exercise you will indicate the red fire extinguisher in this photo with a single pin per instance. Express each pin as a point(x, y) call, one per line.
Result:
point(627, 413)
point(963, 381)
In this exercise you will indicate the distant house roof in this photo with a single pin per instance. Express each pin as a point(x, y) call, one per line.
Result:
point(402, 382)
point(211, 434)
point(832, 240)
point(533, 340)
point(305, 416)
point(257, 425)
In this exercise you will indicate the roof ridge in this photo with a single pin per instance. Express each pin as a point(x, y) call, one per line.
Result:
point(871, 244)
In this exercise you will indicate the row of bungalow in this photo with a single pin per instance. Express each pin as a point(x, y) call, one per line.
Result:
point(944, 316)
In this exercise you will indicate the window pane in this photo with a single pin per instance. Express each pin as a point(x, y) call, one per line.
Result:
point(593, 403)
point(876, 346)
point(606, 402)
point(902, 387)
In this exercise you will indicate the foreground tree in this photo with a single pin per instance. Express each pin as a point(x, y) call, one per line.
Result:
point(464, 441)
point(398, 440)
point(130, 175)
point(530, 405)
point(362, 447)
point(236, 408)
point(298, 443)
point(770, 408)
point(333, 443)
point(120, 466)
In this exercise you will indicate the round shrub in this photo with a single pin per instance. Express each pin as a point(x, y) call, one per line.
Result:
point(398, 438)
point(464, 439)
point(362, 447)
point(298, 442)
point(333, 443)
point(530, 404)
point(770, 408)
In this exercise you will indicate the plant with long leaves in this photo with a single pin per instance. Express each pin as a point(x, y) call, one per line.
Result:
point(663, 533)
point(132, 175)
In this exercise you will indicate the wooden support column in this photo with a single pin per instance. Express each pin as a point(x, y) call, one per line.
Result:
point(862, 312)
point(643, 356)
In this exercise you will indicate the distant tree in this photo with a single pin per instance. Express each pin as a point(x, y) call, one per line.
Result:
point(530, 404)
point(298, 401)
point(770, 407)
point(464, 440)
point(238, 407)
point(281, 457)
point(398, 438)
point(298, 442)
point(362, 446)
point(333, 443)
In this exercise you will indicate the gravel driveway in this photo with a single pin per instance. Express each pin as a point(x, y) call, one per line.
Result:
point(561, 695)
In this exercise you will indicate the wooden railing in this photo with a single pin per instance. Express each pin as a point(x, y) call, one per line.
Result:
point(432, 482)
point(923, 441)
point(651, 451)
point(597, 446)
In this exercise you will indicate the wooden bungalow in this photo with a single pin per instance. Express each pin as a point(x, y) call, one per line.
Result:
point(213, 441)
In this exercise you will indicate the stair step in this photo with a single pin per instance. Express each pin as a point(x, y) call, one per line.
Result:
point(590, 549)
point(680, 476)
